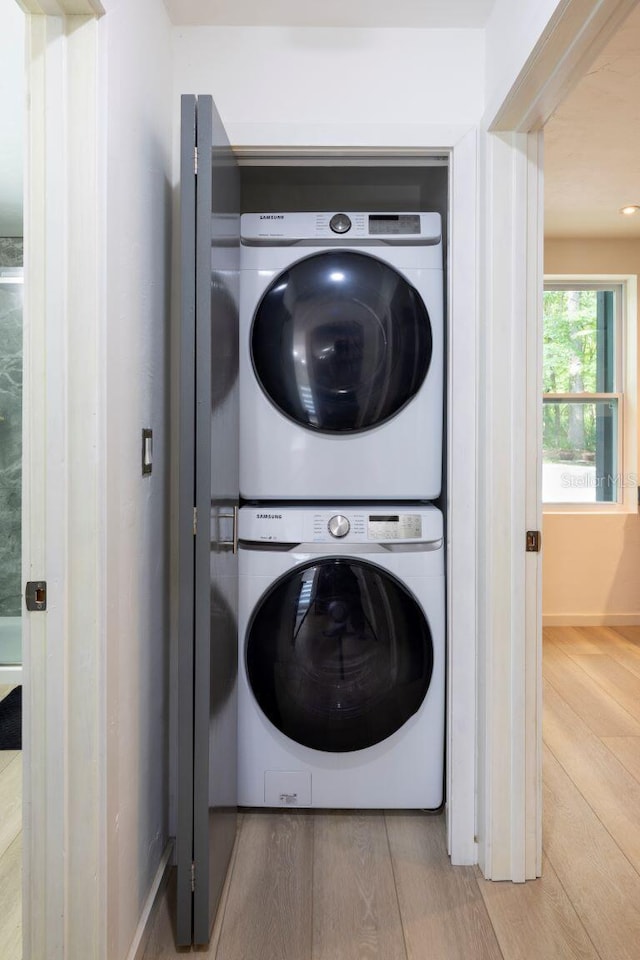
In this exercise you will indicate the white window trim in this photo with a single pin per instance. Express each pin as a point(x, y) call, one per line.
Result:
point(629, 446)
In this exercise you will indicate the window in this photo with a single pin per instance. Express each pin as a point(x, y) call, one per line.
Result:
point(588, 446)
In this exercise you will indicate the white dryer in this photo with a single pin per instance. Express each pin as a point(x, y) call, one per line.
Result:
point(341, 693)
point(341, 356)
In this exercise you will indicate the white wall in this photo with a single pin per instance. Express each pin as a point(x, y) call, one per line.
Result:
point(135, 51)
point(512, 31)
point(330, 86)
point(591, 563)
point(12, 96)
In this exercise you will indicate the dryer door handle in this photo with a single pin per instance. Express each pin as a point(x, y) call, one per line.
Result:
point(233, 516)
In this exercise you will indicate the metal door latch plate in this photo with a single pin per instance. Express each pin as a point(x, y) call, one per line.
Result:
point(35, 595)
point(533, 541)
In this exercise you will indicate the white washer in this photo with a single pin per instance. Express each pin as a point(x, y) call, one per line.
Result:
point(341, 356)
point(341, 694)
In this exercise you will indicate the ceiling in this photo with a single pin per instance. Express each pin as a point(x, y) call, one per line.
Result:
point(331, 13)
point(592, 146)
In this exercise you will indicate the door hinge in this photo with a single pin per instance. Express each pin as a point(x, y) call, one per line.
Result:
point(195, 521)
point(195, 160)
point(35, 595)
point(533, 541)
point(193, 877)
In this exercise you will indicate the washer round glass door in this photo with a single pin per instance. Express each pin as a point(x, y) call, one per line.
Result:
point(341, 342)
point(339, 654)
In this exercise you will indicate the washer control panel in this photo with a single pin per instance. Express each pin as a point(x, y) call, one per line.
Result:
point(347, 524)
point(369, 526)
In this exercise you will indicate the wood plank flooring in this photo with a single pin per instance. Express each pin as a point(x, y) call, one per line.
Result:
point(379, 886)
point(353, 889)
point(10, 850)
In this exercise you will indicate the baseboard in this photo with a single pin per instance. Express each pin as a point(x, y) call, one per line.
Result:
point(591, 620)
point(139, 942)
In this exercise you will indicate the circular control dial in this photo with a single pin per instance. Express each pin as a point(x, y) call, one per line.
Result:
point(340, 223)
point(339, 526)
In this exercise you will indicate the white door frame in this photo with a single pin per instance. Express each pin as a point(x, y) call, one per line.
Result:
point(494, 639)
point(509, 719)
point(509, 826)
point(63, 530)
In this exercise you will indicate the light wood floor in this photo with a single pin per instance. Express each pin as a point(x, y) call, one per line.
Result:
point(376, 886)
point(10, 850)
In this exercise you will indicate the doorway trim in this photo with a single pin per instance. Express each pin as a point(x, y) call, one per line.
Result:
point(574, 36)
point(510, 622)
point(64, 798)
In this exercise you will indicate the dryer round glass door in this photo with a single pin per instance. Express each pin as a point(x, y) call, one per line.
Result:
point(339, 655)
point(341, 342)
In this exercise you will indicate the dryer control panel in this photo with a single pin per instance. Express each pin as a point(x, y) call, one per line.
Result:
point(339, 226)
point(343, 524)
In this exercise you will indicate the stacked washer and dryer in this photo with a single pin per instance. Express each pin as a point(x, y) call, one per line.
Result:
point(341, 696)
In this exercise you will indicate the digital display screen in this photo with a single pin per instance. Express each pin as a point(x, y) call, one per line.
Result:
point(386, 526)
point(394, 223)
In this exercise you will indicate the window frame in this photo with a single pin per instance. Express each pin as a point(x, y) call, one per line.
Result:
point(626, 384)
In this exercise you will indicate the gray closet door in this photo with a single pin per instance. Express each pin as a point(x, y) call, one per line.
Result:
point(208, 645)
